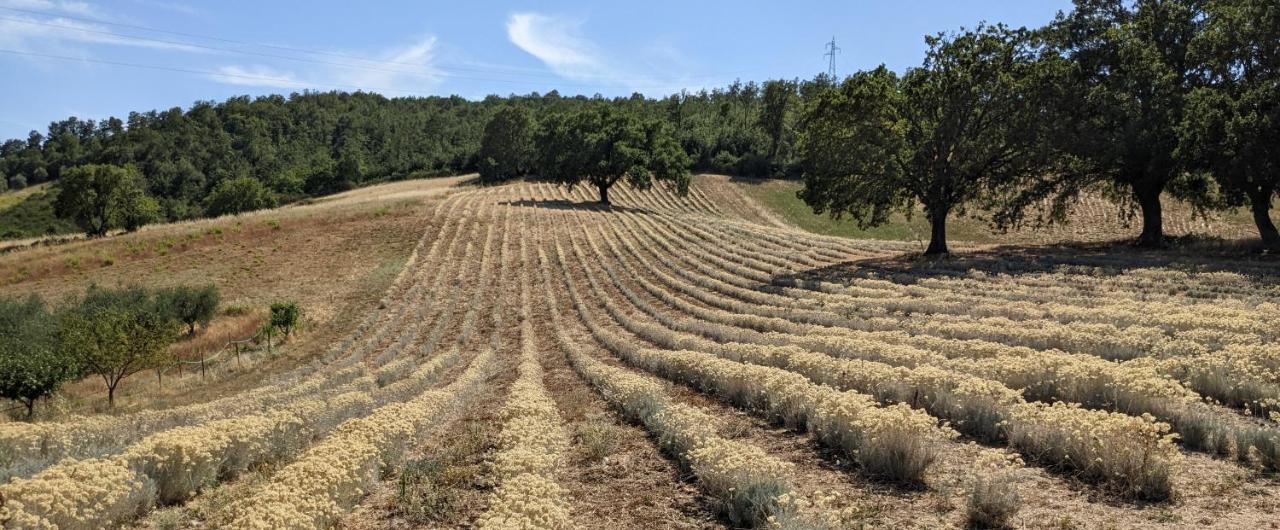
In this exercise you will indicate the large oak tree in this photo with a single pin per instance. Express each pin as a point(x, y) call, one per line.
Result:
point(1232, 123)
point(952, 131)
point(1132, 75)
point(506, 149)
point(603, 145)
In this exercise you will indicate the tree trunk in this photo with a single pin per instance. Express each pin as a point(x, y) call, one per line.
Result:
point(938, 235)
point(1260, 204)
point(1152, 219)
point(111, 396)
point(31, 407)
point(604, 193)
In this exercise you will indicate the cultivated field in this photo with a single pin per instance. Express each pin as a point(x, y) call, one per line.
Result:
point(694, 363)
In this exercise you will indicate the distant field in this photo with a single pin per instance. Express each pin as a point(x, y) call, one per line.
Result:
point(1094, 219)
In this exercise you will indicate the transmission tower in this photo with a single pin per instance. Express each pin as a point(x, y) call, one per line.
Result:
point(832, 50)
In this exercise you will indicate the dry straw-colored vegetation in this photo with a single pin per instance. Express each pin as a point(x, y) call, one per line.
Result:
point(783, 380)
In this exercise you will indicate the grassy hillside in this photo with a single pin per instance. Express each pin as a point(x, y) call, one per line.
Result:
point(335, 257)
point(28, 213)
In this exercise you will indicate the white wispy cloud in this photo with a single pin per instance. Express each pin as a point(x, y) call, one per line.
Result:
point(558, 42)
point(256, 75)
point(62, 6)
point(27, 33)
point(399, 70)
point(176, 7)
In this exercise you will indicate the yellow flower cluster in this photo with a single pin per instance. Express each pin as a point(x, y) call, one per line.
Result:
point(330, 477)
point(178, 463)
point(76, 495)
point(745, 478)
point(27, 445)
point(1134, 453)
point(530, 449)
point(897, 442)
point(1128, 329)
point(1054, 373)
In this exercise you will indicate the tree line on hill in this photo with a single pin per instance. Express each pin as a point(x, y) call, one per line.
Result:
point(107, 333)
point(1138, 99)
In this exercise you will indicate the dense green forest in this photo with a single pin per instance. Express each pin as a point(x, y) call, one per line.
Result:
point(314, 143)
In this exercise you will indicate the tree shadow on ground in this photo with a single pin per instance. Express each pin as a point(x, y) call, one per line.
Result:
point(1098, 260)
point(562, 204)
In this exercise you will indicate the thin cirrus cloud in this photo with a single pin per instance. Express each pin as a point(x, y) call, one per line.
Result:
point(26, 33)
point(70, 7)
point(557, 41)
point(405, 69)
point(66, 29)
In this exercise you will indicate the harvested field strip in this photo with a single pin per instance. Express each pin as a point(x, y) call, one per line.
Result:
point(532, 443)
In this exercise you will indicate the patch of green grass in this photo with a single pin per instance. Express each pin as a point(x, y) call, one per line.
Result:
point(12, 197)
point(779, 196)
point(31, 215)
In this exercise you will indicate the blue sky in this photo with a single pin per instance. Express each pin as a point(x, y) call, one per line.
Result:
point(94, 59)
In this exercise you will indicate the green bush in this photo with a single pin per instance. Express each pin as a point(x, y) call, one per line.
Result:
point(190, 305)
point(238, 195)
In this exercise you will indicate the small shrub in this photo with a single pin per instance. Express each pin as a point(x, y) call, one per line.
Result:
point(737, 427)
point(994, 499)
point(423, 496)
point(598, 439)
point(235, 310)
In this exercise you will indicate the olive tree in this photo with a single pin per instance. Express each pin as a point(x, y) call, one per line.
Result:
point(604, 144)
point(32, 365)
point(115, 333)
point(944, 135)
point(285, 317)
point(190, 305)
